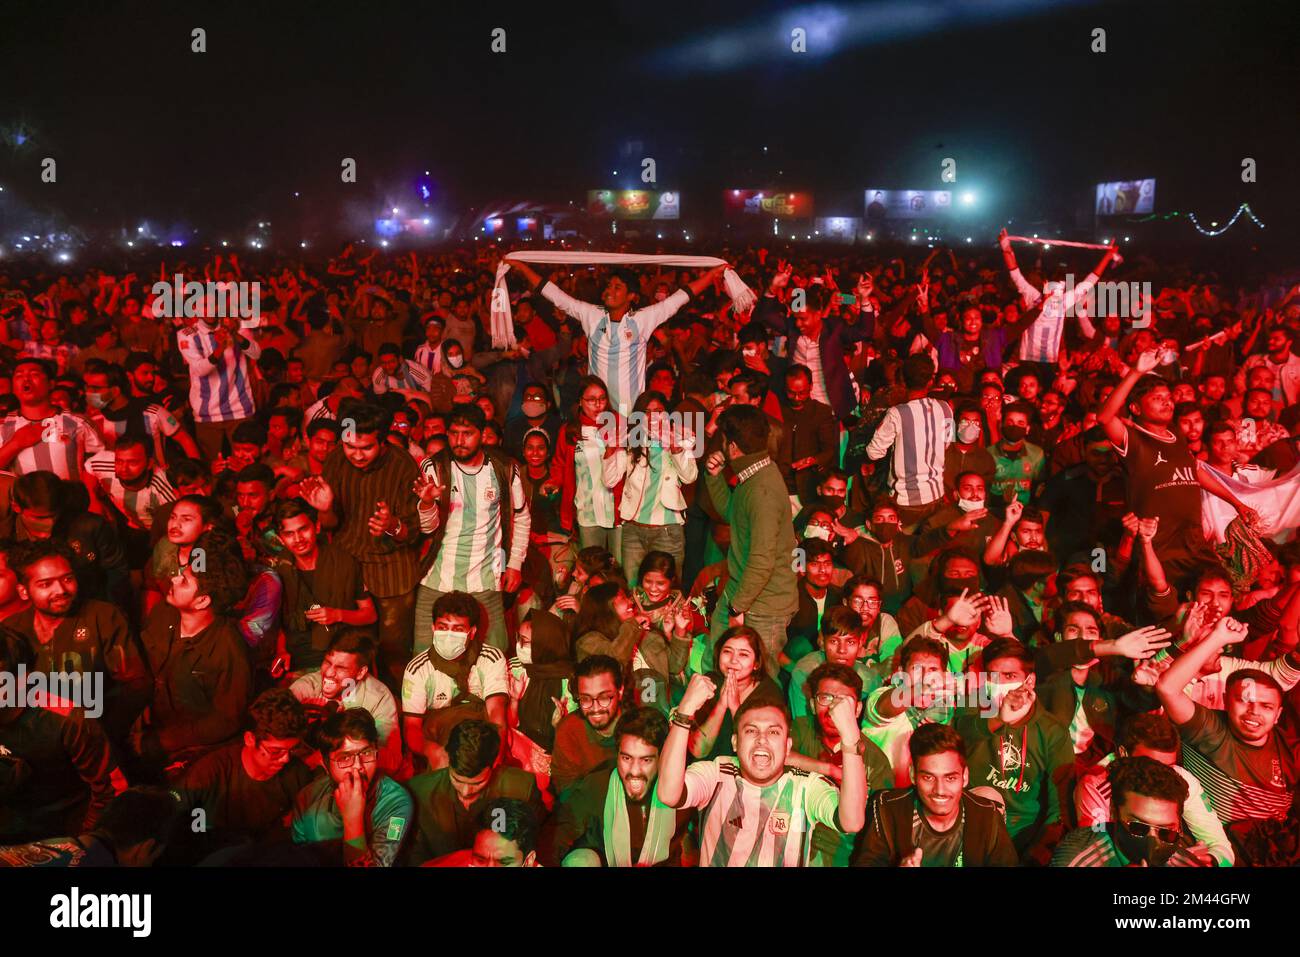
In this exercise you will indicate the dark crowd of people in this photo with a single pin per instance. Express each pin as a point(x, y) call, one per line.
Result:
point(935, 560)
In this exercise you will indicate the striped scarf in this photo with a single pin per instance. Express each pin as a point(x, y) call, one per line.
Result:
point(618, 840)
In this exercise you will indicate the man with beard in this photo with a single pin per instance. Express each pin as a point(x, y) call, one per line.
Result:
point(117, 413)
point(613, 817)
point(68, 633)
point(345, 680)
point(455, 663)
point(1163, 479)
point(755, 811)
point(584, 739)
point(937, 822)
point(246, 789)
point(449, 801)
point(472, 499)
point(354, 804)
point(1083, 503)
point(364, 496)
point(761, 586)
point(1190, 418)
point(1146, 827)
point(202, 676)
point(1248, 771)
point(322, 589)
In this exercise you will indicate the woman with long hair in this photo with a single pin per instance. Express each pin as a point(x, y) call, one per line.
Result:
point(657, 462)
point(740, 673)
point(588, 502)
point(670, 612)
point(608, 623)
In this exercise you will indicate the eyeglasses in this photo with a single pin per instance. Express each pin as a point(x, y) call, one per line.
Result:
point(345, 759)
point(1165, 835)
point(274, 753)
point(586, 701)
point(824, 699)
point(864, 602)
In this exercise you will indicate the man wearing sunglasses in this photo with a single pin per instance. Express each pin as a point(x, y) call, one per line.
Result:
point(355, 804)
point(246, 789)
point(1146, 828)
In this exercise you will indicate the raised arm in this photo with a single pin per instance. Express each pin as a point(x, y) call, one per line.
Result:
point(1109, 416)
point(1172, 684)
point(671, 786)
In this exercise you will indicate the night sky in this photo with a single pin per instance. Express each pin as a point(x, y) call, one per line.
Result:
point(142, 127)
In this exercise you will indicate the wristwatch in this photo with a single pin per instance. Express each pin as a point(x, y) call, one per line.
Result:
point(859, 749)
point(686, 721)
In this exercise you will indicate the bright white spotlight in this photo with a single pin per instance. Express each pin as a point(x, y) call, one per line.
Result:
point(64, 257)
point(384, 243)
point(968, 198)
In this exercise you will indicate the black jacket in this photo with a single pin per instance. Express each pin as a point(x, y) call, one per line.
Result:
point(888, 838)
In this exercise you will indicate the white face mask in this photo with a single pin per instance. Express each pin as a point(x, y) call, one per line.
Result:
point(817, 531)
point(968, 431)
point(524, 653)
point(455, 361)
point(450, 644)
point(998, 690)
point(533, 408)
point(970, 504)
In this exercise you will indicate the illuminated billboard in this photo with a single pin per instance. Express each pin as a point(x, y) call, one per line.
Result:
point(633, 204)
point(764, 202)
point(1125, 198)
point(838, 227)
point(907, 203)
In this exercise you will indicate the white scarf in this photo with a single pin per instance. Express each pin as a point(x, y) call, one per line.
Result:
point(659, 827)
point(502, 326)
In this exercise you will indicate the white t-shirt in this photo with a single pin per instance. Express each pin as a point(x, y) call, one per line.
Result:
point(748, 826)
point(425, 688)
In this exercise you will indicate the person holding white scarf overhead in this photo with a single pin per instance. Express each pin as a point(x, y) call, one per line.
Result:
point(616, 332)
point(613, 817)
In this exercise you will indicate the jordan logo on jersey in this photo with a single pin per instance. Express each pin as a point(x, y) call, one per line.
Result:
point(1160, 458)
